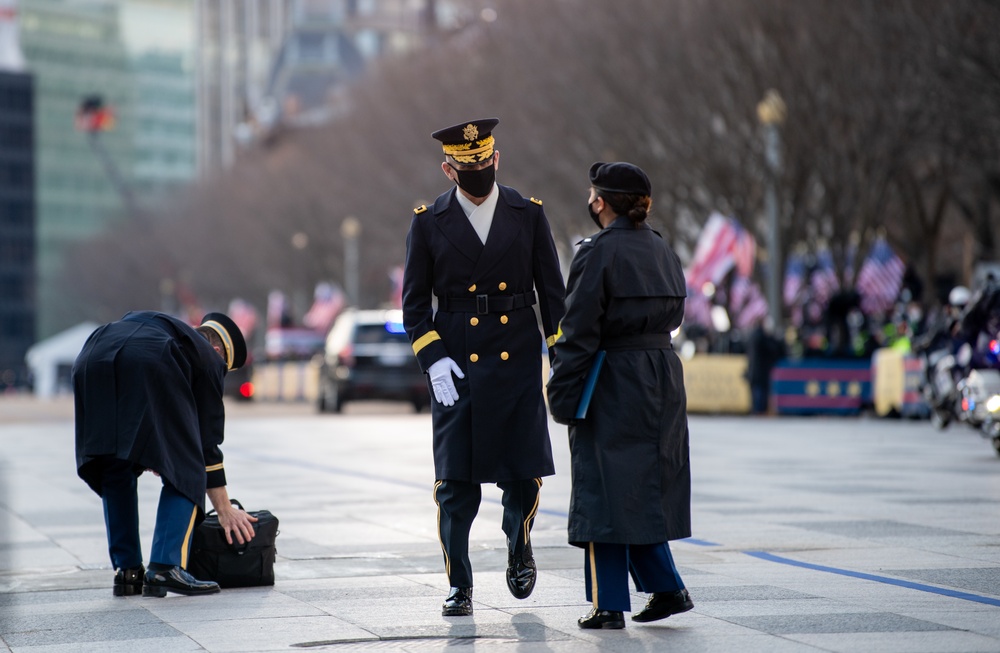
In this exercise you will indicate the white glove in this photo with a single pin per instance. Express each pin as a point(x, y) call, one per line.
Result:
point(444, 387)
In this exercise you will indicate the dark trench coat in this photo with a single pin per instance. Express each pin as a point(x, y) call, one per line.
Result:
point(631, 475)
point(148, 389)
point(498, 429)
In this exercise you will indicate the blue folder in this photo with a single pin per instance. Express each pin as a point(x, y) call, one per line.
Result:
point(588, 385)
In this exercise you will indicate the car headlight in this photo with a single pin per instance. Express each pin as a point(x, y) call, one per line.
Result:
point(993, 403)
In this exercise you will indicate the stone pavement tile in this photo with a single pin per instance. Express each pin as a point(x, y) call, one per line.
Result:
point(179, 644)
point(732, 592)
point(59, 629)
point(689, 632)
point(834, 622)
point(262, 634)
point(984, 580)
point(876, 559)
point(389, 616)
point(983, 619)
point(811, 606)
point(923, 642)
point(235, 603)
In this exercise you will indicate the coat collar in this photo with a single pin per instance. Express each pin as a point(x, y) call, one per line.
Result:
point(456, 228)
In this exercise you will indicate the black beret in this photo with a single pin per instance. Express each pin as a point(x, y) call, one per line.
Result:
point(468, 142)
point(620, 177)
point(236, 346)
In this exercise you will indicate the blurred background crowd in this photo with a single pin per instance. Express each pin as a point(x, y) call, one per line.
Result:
point(828, 171)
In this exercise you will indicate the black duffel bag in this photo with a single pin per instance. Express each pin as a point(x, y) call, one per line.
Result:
point(234, 565)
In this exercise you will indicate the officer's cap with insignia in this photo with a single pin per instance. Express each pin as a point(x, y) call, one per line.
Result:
point(468, 142)
point(232, 338)
point(620, 177)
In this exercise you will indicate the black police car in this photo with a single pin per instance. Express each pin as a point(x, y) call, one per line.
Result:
point(368, 356)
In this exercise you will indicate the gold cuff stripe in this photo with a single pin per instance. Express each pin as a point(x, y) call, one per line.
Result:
point(425, 340)
point(226, 340)
point(213, 468)
point(186, 544)
point(551, 340)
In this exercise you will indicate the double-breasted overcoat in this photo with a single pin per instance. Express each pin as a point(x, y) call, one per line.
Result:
point(148, 389)
point(485, 320)
point(631, 477)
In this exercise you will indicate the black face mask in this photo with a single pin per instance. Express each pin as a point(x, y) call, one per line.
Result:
point(593, 216)
point(477, 183)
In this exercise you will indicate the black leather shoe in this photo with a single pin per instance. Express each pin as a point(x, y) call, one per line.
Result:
point(128, 582)
point(602, 619)
point(663, 604)
point(458, 603)
point(521, 573)
point(175, 579)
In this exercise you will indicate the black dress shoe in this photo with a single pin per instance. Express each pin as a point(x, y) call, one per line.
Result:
point(521, 573)
point(663, 604)
point(458, 603)
point(602, 619)
point(175, 579)
point(128, 582)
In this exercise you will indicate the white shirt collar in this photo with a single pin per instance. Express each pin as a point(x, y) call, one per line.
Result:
point(487, 207)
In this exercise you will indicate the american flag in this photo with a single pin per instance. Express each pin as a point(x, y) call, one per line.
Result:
point(697, 308)
point(824, 278)
point(244, 315)
point(328, 300)
point(880, 279)
point(722, 244)
point(746, 303)
point(795, 272)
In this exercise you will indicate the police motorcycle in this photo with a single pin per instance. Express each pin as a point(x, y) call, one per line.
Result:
point(941, 371)
point(979, 394)
point(965, 386)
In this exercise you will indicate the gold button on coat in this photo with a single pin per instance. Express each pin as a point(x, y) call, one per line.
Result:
point(504, 355)
point(503, 319)
point(503, 285)
point(474, 357)
point(474, 321)
point(472, 288)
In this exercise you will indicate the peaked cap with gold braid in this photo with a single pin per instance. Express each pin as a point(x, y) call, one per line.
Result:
point(468, 142)
point(232, 337)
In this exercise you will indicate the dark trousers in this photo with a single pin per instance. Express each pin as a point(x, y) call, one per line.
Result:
point(607, 568)
point(175, 518)
point(458, 504)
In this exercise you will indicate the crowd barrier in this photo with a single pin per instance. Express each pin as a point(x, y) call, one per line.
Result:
point(818, 386)
point(896, 384)
point(716, 383)
point(286, 381)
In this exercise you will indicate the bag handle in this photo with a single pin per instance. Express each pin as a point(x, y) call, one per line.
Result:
point(240, 549)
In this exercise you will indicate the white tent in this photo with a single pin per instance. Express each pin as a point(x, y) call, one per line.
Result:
point(51, 360)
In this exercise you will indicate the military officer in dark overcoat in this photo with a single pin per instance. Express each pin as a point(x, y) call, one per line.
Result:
point(631, 475)
point(148, 396)
point(479, 261)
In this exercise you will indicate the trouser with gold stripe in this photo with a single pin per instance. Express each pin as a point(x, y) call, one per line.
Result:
point(608, 566)
point(175, 517)
point(458, 504)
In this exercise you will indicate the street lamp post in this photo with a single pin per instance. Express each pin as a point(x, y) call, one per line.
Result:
point(350, 229)
point(771, 113)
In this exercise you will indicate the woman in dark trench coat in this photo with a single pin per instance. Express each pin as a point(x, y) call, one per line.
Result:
point(630, 467)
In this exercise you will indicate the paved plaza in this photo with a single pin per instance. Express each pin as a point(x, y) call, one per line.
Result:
point(810, 534)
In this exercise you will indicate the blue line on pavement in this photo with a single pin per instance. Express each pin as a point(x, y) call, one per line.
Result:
point(770, 557)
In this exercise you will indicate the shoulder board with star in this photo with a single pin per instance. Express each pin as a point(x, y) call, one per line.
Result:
point(420, 209)
point(536, 201)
